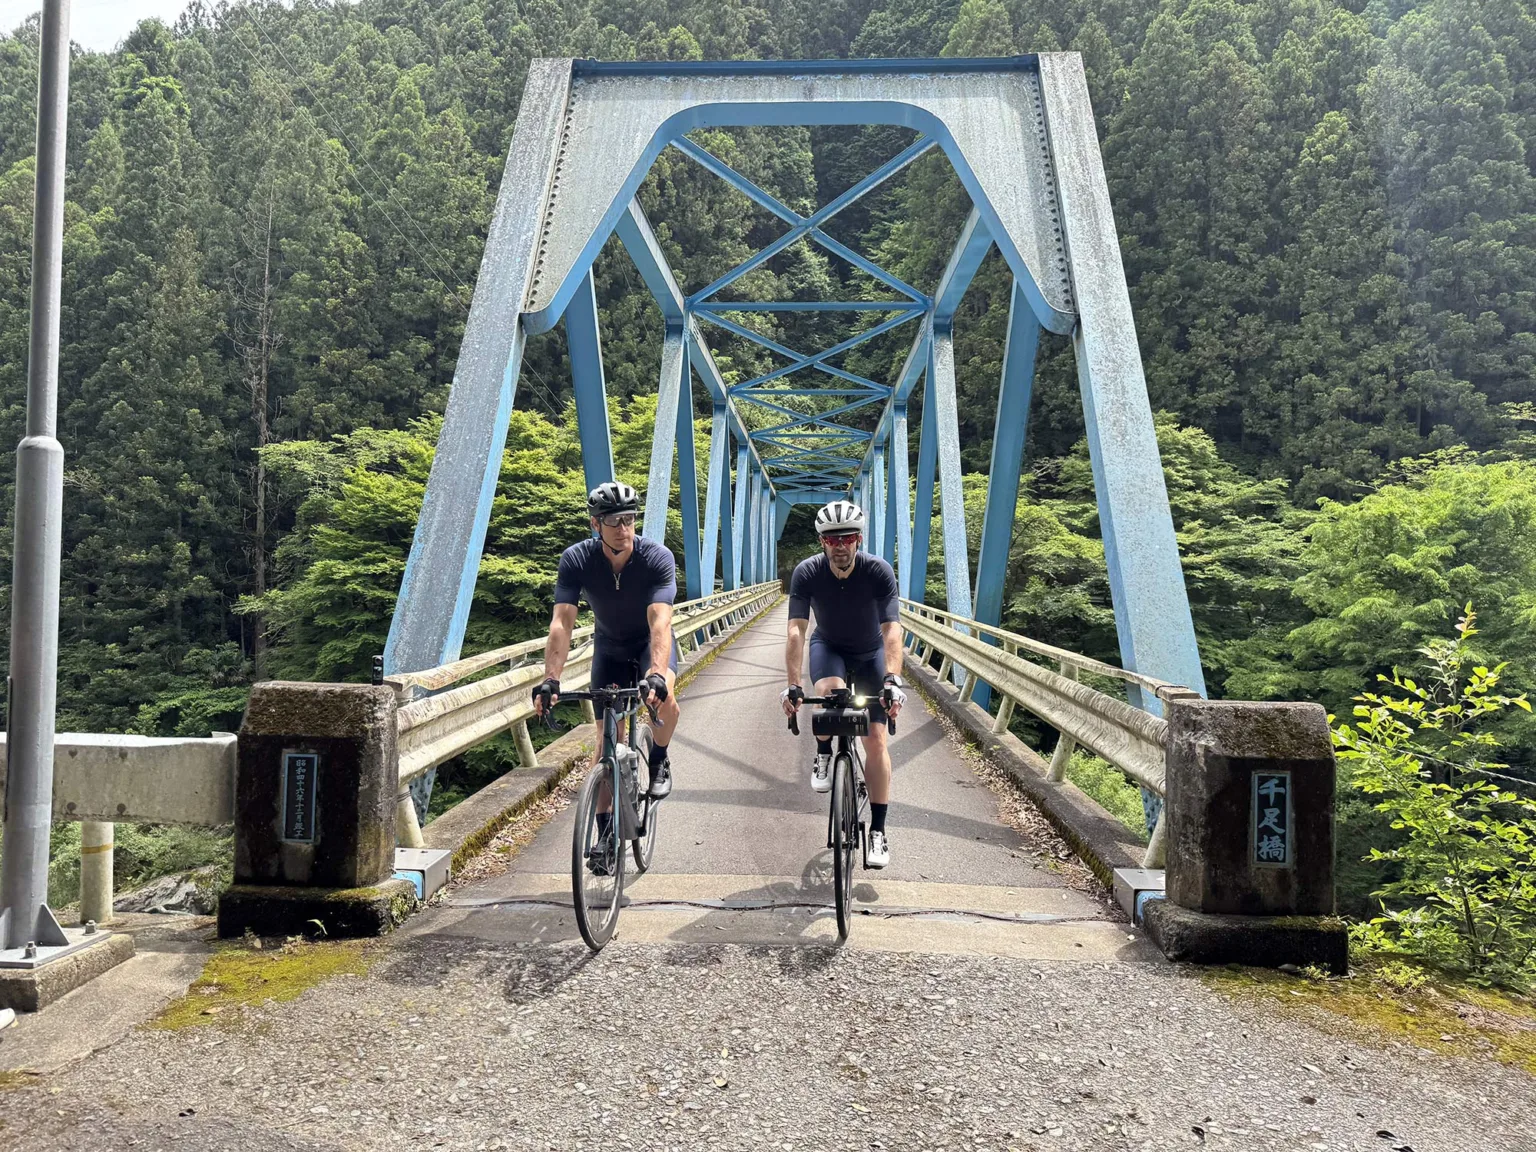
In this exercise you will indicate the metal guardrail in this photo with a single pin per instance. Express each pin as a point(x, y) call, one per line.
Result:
point(1127, 737)
point(102, 779)
point(433, 729)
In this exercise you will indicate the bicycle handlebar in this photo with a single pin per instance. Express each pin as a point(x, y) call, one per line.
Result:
point(603, 696)
point(841, 699)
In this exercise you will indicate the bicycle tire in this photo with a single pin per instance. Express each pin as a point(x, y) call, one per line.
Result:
point(650, 810)
point(597, 910)
point(845, 815)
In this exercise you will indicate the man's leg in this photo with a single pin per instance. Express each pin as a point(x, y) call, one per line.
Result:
point(662, 728)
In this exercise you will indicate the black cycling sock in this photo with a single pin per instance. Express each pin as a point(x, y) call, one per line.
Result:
point(877, 817)
point(658, 754)
point(604, 824)
point(823, 747)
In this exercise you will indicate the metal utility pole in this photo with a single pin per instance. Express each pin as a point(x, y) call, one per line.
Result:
point(25, 917)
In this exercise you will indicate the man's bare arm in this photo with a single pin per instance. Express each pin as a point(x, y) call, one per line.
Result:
point(660, 618)
point(891, 633)
point(558, 646)
point(794, 650)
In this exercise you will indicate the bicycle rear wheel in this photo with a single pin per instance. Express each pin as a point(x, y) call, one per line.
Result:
point(597, 860)
point(650, 810)
point(845, 838)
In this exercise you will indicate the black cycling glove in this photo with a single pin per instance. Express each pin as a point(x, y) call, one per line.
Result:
point(550, 687)
point(657, 683)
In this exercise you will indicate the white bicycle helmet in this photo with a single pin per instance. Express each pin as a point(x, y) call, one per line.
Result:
point(839, 517)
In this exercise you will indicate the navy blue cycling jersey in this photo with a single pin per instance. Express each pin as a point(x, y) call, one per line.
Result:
point(848, 612)
point(618, 599)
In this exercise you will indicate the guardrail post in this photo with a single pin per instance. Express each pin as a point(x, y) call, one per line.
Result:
point(588, 713)
point(1064, 743)
point(96, 843)
point(316, 787)
point(944, 667)
point(526, 756)
point(1249, 815)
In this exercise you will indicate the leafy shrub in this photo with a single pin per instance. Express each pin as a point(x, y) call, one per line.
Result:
point(1465, 894)
point(1108, 787)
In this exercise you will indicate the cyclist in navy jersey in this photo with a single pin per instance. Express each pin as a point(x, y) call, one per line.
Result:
point(630, 583)
point(857, 643)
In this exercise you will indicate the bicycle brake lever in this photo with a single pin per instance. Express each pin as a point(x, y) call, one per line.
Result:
point(890, 725)
point(794, 724)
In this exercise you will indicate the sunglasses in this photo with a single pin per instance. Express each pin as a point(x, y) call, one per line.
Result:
point(840, 541)
point(617, 520)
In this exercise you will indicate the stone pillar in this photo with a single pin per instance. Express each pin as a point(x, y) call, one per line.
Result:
point(1250, 815)
point(315, 787)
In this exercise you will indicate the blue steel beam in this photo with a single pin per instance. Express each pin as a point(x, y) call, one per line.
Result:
point(739, 535)
point(432, 609)
point(888, 545)
point(941, 390)
point(916, 580)
point(674, 378)
point(964, 261)
point(817, 358)
point(715, 505)
point(586, 353)
point(779, 349)
point(728, 550)
point(1141, 552)
point(817, 218)
point(901, 509)
point(640, 242)
point(1013, 397)
point(757, 195)
point(801, 306)
point(877, 499)
point(688, 484)
point(755, 526)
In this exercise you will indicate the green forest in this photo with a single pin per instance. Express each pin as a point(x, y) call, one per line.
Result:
point(275, 216)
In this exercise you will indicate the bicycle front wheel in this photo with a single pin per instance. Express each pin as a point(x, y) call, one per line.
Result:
point(597, 859)
point(845, 839)
point(650, 810)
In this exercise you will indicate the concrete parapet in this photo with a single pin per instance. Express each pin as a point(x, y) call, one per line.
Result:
point(315, 785)
point(1250, 808)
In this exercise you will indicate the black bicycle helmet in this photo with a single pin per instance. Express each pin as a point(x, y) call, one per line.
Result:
point(606, 499)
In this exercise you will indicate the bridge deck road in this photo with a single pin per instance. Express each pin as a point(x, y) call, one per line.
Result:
point(741, 854)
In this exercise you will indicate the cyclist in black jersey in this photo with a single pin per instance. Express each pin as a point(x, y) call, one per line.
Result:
point(857, 643)
point(630, 583)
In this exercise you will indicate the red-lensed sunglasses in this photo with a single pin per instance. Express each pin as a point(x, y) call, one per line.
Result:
point(842, 540)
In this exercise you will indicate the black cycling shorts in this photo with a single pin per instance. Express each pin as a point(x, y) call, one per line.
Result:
point(624, 665)
point(864, 672)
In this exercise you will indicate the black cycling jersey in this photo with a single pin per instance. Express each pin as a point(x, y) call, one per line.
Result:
point(618, 599)
point(848, 612)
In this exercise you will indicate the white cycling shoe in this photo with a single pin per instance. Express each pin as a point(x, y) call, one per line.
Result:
point(878, 852)
point(821, 773)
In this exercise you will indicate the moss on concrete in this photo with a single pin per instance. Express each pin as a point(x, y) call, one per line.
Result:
point(1393, 1000)
point(244, 974)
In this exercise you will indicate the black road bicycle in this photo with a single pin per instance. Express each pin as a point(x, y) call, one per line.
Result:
point(842, 717)
point(615, 814)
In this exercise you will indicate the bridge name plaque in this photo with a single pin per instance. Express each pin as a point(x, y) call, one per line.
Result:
point(298, 818)
point(1272, 819)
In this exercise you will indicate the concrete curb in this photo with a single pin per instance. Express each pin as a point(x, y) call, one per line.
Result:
point(1102, 842)
point(29, 989)
point(471, 824)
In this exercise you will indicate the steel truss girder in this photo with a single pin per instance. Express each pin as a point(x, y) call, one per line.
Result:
point(1019, 133)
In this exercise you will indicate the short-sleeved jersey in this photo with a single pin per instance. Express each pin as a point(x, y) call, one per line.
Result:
point(848, 612)
point(618, 599)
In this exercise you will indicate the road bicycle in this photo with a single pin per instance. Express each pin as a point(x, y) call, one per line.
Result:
point(842, 717)
point(608, 829)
